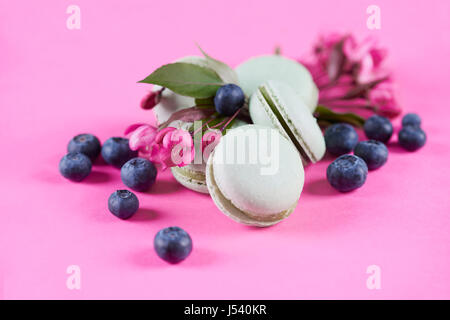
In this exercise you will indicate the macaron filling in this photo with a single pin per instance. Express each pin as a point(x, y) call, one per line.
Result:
point(191, 174)
point(284, 123)
point(191, 179)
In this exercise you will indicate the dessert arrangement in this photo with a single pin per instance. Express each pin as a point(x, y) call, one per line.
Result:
point(244, 135)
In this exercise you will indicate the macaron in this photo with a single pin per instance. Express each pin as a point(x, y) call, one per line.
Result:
point(276, 104)
point(255, 71)
point(171, 101)
point(192, 176)
point(255, 175)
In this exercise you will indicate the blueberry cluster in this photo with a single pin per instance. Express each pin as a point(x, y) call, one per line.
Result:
point(411, 137)
point(172, 244)
point(349, 172)
point(82, 150)
point(85, 148)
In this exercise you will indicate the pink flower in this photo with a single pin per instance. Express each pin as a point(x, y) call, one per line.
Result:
point(325, 45)
point(209, 141)
point(366, 59)
point(172, 147)
point(367, 72)
point(141, 137)
point(211, 137)
point(338, 90)
point(382, 97)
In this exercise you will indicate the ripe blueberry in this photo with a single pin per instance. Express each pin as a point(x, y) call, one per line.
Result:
point(75, 166)
point(123, 204)
point(138, 174)
point(229, 98)
point(373, 152)
point(340, 138)
point(85, 143)
point(411, 119)
point(411, 138)
point(172, 244)
point(116, 151)
point(378, 128)
point(346, 173)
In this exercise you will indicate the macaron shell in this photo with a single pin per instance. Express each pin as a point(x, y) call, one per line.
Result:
point(227, 207)
point(243, 185)
point(255, 71)
point(296, 115)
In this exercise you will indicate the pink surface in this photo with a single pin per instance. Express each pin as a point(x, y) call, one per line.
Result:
point(55, 83)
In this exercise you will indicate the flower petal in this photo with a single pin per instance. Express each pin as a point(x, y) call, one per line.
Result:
point(133, 127)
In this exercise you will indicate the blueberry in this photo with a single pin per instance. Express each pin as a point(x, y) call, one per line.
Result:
point(411, 119)
point(340, 138)
point(229, 98)
point(116, 151)
point(138, 174)
point(173, 244)
point(378, 128)
point(123, 204)
point(75, 166)
point(346, 173)
point(411, 138)
point(373, 152)
point(85, 143)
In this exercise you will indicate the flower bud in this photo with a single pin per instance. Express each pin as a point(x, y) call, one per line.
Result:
point(151, 99)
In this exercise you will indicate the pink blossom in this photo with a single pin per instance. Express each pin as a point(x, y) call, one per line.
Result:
point(141, 137)
point(337, 90)
point(351, 75)
point(211, 137)
point(367, 72)
point(366, 58)
point(325, 45)
point(209, 141)
point(172, 147)
point(382, 97)
point(133, 127)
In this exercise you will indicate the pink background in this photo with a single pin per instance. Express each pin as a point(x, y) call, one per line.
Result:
point(55, 83)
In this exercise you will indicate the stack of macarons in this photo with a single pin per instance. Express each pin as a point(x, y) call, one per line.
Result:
point(282, 97)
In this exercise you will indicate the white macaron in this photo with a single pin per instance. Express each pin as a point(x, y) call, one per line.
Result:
point(255, 71)
point(277, 105)
point(255, 176)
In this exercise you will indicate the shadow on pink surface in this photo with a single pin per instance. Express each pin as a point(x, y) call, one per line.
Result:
point(320, 187)
point(146, 214)
point(97, 177)
point(165, 187)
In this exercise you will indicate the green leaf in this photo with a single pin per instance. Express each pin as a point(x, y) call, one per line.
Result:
point(205, 102)
point(186, 79)
point(326, 116)
point(225, 72)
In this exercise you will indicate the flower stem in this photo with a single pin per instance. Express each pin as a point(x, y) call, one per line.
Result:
point(231, 119)
point(201, 128)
